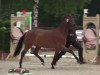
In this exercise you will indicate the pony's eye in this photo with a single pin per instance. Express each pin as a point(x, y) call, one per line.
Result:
point(67, 20)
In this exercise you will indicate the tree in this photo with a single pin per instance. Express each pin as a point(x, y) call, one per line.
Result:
point(8, 7)
point(62, 7)
point(59, 8)
point(94, 7)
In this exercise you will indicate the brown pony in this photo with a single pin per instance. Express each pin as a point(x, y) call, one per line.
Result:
point(55, 38)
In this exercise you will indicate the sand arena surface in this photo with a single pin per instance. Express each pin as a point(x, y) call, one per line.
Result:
point(65, 66)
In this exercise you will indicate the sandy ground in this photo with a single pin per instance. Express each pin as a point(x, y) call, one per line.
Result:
point(65, 66)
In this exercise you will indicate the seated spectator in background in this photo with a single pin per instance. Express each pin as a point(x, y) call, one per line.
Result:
point(90, 37)
point(16, 33)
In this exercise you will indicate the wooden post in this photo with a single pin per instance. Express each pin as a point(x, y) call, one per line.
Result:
point(91, 55)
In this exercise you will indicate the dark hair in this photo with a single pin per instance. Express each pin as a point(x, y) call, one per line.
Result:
point(91, 25)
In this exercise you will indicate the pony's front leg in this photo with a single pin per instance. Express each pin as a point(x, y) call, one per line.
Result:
point(54, 59)
point(57, 57)
point(70, 51)
point(21, 59)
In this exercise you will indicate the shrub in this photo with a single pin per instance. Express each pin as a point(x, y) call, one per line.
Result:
point(5, 36)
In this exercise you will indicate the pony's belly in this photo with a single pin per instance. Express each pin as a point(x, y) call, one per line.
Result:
point(46, 45)
point(51, 44)
point(50, 41)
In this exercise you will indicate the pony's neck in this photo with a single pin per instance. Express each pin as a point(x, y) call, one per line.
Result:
point(63, 28)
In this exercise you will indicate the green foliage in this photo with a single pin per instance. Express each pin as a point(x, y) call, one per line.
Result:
point(1, 23)
point(4, 36)
point(9, 7)
point(94, 7)
point(19, 5)
point(5, 24)
point(28, 20)
point(51, 12)
point(4, 40)
point(62, 7)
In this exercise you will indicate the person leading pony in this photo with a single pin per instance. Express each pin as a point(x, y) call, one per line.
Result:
point(71, 40)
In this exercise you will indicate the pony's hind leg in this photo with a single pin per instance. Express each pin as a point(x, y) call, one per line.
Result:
point(22, 55)
point(35, 52)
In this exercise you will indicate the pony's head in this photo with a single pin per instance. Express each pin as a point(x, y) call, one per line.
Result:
point(67, 24)
point(70, 20)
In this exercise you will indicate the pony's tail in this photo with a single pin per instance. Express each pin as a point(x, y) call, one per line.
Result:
point(19, 46)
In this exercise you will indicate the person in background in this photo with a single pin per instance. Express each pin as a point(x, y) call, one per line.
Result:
point(16, 33)
point(89, 37)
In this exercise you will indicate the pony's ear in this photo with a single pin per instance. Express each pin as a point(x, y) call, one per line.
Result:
point(67, 20)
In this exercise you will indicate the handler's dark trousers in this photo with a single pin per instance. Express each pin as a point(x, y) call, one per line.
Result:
point(72, 41)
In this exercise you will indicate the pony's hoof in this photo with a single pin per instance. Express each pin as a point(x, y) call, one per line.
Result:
point(52, 67)
point(78, 61)
point(43, 63)
point(82, 62)
point(55, 64)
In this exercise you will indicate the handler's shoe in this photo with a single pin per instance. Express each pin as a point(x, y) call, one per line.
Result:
point(83, 62)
